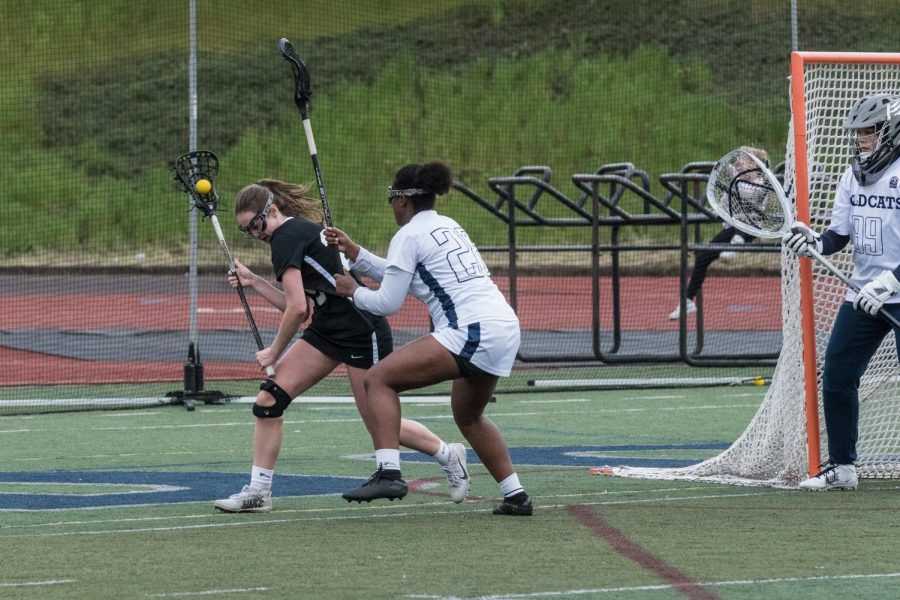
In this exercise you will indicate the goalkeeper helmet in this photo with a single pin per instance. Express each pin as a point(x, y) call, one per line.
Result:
point(881, 112)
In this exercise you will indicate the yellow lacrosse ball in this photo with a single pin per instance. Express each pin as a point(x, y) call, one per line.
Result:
point(203, 186)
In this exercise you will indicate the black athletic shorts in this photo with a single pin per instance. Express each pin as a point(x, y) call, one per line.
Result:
point(363, 351)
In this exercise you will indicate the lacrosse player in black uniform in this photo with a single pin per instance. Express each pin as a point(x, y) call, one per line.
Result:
point(284, 216)
point(704, 258)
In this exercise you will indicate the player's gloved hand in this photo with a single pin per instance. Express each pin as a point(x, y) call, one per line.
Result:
point(801, 238)
point(872, 295)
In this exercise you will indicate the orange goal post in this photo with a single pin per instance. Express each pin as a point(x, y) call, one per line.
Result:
point(785, 441)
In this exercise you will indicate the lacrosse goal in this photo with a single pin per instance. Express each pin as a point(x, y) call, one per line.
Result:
point(785, 441)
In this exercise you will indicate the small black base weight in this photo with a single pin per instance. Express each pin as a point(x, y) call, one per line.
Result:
point(193, 384)
point(204, 396)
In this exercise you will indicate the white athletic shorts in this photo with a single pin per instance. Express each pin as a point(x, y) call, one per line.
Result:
point(489, 345)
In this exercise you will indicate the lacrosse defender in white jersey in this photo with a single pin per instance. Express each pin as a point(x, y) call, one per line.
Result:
point(284, 216)
point(474, 343)
point(867, 211)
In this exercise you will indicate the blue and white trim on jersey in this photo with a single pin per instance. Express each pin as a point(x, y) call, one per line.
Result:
point(472, 342)
point(439, 293)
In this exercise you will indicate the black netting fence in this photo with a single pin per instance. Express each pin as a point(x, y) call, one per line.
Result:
point(579, 133)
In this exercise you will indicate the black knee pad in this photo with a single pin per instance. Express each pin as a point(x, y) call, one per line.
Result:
point(282, 401)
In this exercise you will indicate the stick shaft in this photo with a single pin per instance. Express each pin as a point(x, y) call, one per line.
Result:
point(840, 275)
point(240, 290)
point(314, 155)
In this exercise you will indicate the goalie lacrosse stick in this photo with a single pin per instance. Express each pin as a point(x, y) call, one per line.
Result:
point(746, 195)
point(302, 95)
point(195, 173)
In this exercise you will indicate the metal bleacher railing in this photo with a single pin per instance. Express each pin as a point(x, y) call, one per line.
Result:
point(525, 199)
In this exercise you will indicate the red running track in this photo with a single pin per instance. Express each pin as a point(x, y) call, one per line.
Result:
point(544, 303)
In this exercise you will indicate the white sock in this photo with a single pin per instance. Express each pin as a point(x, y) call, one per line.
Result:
point(261, 479)
point(443, 455)
point(511, 485)
point(388, 459)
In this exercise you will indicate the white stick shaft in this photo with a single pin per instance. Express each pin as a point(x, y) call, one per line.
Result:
point(307, 127)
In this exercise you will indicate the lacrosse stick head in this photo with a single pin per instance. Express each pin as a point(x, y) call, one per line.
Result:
point(193, 168)
point(302, 88)
point(747, 195)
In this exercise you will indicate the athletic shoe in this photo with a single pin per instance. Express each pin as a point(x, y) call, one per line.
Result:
point(457, 475)
point(832, 477)
point(730, 255)
point(517, 505)
point(247, 500)
point(691, 308)
point(383, 484)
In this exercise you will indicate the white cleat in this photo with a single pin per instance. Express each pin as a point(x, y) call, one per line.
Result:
point(832, 477)
point(691, 308)
point(457, 476)
point(247, 500)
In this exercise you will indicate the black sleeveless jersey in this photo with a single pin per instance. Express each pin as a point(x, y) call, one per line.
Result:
point(299, 243)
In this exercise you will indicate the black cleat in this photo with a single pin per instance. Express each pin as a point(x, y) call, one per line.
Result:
point(383, 484)
point(517, 505)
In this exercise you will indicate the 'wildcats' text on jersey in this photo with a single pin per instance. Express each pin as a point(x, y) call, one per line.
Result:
point(873, 201)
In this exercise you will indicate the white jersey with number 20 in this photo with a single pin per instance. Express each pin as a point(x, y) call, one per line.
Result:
point(870, 215)
point(449, 274)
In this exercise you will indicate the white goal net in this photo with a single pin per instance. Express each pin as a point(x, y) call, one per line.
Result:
point(776, 448)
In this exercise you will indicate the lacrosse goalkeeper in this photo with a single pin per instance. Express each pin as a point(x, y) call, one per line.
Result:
point(866, 210)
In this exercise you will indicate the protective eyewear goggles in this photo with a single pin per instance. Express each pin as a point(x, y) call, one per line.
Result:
point(392, 193)
point(257, 224)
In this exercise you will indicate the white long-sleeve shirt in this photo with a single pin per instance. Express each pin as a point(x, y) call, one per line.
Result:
point(432, 258)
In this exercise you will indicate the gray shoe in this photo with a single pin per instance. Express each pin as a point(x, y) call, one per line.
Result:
point(832, 477)
point(383, 484)
point(247, 500)
point(457, 476)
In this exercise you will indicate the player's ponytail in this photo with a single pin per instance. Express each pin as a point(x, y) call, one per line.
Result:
point(293, 199)
point(435, 177)
point(429, 180)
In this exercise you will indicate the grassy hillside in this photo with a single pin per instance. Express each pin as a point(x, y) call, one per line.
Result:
point(95, 97)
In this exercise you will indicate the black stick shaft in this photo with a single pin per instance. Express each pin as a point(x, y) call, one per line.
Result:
point(240, 289)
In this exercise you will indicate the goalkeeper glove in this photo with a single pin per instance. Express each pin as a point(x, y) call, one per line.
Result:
point(800, 239)
point(872, 295)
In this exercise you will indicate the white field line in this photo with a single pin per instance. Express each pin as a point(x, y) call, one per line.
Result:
point(131, 413)
point(337, 509)
point(659, 587)
point(208, 592)
point(248, 423)
point(368, 514)
point(631, 398)
point(671, 397)
point(5, 584)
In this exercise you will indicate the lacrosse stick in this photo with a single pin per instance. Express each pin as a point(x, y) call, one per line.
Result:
point(746, 195)
point(195, 174)
point(302, 95)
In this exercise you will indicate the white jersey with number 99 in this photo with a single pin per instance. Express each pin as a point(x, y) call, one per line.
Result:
point(870, 215)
